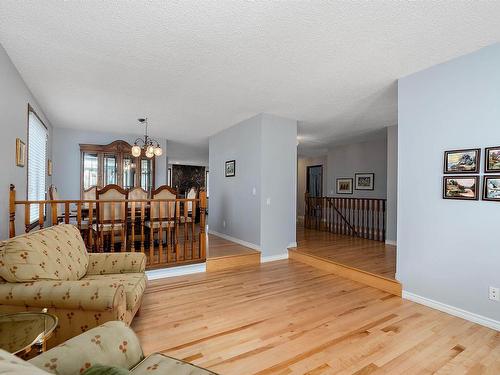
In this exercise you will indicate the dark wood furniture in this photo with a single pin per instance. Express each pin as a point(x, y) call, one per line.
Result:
point(102, 165)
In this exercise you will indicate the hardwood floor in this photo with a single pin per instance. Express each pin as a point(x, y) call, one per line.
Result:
point(224, 254)
point(372, 256)
point(219, 247)
point(286, 317)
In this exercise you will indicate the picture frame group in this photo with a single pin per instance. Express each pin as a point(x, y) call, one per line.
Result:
point(458, 185)
point(361, 181)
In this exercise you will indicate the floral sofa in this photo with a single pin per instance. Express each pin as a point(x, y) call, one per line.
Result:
point(51, 269)
point(111, 344)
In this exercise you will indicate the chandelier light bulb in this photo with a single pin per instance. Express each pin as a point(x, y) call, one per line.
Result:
point(149, 154)
point(158, 151)
point(150, 150)
point(136, 151)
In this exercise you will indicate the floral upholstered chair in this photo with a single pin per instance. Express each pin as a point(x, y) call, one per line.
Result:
point(111, 344)
point(51, 269)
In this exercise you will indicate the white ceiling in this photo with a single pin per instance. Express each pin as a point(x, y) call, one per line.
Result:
point(197, 67)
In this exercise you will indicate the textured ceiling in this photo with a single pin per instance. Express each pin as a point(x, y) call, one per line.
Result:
point(197, 67)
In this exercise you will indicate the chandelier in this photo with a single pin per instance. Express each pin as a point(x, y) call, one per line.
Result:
point(150, 146)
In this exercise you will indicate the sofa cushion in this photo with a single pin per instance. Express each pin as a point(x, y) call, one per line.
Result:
point(110, 344)
point(133, 283)
point(161, 364)
point(55, 253)
point(12, 365)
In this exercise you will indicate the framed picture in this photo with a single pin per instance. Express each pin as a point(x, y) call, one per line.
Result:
point(20, 153)
point(364, 181)
point(49, 167)
point(231, 168)
point(462, 161)
point(344, 185)
point(491, 188)
point(492, 159)
point(461, 187)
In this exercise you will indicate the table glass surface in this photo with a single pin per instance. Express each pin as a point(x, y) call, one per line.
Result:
point(20, 331)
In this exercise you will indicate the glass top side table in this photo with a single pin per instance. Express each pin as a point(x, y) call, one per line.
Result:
point(22, 331)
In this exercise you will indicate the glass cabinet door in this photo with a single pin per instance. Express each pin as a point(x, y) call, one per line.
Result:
point(110, 169)
point(90, 169)
point(146, 172)
point(128, 172)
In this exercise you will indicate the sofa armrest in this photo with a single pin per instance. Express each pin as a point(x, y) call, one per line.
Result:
point(110, 344)
point(112, 263)
point(91, 295)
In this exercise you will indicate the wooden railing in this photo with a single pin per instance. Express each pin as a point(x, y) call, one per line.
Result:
point(172, 237)
point(358, 217)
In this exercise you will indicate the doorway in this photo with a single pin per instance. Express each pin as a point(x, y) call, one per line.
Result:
point(314, 181)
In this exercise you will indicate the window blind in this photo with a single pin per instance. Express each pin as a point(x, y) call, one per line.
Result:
point(37, 162)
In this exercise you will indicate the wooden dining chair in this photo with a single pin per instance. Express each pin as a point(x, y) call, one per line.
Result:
point(61, 210)
point(111, 216)
point(135, 231)
point(162, 219)
point(137, 193)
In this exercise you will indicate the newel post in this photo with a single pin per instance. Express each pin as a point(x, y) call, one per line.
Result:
point(203, 234)
point(12, 211)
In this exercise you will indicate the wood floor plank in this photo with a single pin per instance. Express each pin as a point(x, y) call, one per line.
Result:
point(286, 317)
point(372, 256)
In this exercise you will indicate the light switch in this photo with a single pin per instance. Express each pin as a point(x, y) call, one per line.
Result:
point(268, 201)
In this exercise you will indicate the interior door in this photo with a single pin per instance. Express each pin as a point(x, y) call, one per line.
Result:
point(315, 180)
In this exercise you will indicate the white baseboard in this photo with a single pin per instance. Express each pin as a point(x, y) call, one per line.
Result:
point(272, 258)
point(236, 240)
point(390, 242)
point(292, 244)
point(176, 271)
point(452, 310)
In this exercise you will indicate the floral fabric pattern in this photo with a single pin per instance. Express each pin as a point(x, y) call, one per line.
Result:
point(161, 364)
point(134, 285)
point(112, 343)
point(113, 263)
point(55, 253)
point(109, 289)
point(12, 365)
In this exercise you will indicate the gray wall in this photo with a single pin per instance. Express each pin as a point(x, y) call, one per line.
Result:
point(187, 154)
point(302, 164)
point(265, 151)
point(363, 157)
point(279, 184)
point(231, 198)
point(14, 99)
point(67, 157)
point(448, 250)
point(392, 184)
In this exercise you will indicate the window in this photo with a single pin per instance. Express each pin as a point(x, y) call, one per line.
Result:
point(37, 162)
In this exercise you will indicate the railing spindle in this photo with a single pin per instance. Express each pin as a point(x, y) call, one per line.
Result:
point(40, 215)
point(27, 223)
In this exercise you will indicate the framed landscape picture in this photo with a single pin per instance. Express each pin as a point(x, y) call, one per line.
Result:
point(364, 181)
point(461, 187)
point(462, 161)
point(491, 188)
point(20, 153)
point(492, 160)
point(344, 185)
point(231, 168)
